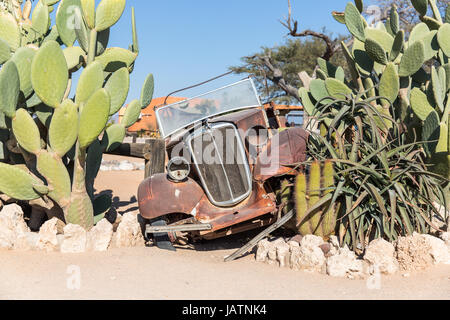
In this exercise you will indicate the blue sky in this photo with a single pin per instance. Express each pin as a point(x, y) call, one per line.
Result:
point(185, 42)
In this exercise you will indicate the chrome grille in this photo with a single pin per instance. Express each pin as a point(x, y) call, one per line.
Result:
point(220, 161)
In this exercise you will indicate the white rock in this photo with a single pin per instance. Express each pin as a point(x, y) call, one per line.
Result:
point(345, 264)
point(126, 166)
point(7, 238)
point(293, 244)
point(99, 237)
point(438, 249)
point(262, 250)
point(11, 217)
point(283, 254)
point(334, 242)
point(307, 258)
point(311, 241)
point(12, 225)
point(413, 252)
point(26, 241)
point(381, 254)
point(272, 254)
point(75, 238)
point(47, 236)
point(445, 236)
point(129, 232)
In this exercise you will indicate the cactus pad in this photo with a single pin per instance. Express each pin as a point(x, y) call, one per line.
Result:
point(431, 132)
point(67, 20)
point(117, 86)
point(108, 13)
point(354, 22)
point(438, 88)
point(337, 89)
point(319, 91)
point(147, 91)
point(306, 101)
point(9, 88)
point(40, 18)
point(5, 51)
point(74, 57)
point(115, 58)
point(9, 30)
point(389, 84)
point(26, 131)
point(443, 37)
point(23, 58)
point(420, 105)
point(421, 6)
point(418, 32)
point(88, 7)
point(63, 131)
point(91, 80)
point(412, 60)
point(131, 113)
point(375, 51)
point(57, 176)
point(49, 74)
point(17, 183)
point(113, 136)
point(93, 117)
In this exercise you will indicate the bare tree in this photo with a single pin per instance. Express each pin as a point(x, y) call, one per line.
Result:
point(292, 25)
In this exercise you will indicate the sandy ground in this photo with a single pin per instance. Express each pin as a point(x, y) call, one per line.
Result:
point(150, 273)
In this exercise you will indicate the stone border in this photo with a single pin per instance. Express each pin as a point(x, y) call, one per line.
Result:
point(312, 254)
point(54, 235)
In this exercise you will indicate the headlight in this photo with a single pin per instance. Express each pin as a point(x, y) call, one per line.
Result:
point(178, 169)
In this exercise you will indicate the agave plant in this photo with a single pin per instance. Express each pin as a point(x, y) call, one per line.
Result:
point(383, 186)
point(53, 143)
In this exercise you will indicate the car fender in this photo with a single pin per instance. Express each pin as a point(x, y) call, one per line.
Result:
point(283, 150)
point(158, 196)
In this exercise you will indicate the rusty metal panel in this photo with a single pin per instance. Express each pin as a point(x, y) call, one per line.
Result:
point(258, 204)
point(159, 196)
point(276, 159)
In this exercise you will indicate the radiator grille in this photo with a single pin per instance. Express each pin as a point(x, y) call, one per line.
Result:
point(219, 157)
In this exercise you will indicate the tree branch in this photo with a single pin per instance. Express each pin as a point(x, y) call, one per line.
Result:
point(292, 27)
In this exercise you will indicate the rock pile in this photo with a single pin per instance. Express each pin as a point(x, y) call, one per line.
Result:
point(115, 165)
point(312, 254)
point(54, 235)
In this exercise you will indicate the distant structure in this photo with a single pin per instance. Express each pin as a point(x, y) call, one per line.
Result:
point(146, 125)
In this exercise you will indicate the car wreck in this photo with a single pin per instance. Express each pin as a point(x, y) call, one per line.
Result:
point(223, 166)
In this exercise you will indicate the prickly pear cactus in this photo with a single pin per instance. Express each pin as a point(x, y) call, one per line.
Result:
point(52, 144)
point(411, 74)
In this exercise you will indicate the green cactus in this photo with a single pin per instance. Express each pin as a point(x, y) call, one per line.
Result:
point(147, 91)
point(56, 133)
point(63, 130)
point(117, 86)
point(9, 88)
point(50, 74)
point(308, 191)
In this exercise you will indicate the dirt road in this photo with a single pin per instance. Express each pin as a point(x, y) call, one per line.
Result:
point(150, 273)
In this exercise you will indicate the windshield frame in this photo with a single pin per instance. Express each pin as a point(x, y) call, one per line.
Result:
point(167, 134)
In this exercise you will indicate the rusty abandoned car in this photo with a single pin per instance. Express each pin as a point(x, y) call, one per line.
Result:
point(221, 165)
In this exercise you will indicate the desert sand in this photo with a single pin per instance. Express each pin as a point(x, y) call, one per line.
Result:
point(189, 273)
